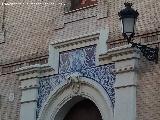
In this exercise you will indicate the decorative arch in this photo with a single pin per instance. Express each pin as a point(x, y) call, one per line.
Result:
point(78, 88)
point(78, 66)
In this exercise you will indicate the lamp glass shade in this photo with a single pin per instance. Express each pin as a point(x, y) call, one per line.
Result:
point(128, 26)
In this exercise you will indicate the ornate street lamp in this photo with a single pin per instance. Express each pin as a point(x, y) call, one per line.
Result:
point(128, 17)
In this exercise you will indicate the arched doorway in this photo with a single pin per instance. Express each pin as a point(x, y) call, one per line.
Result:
point(60, 103)
point(84, 110)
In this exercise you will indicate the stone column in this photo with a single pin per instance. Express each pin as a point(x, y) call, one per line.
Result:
point(29, 78)
point(126, 68)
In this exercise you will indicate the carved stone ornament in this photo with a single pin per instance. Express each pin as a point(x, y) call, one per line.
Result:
point(74, 65)
point(74, 80)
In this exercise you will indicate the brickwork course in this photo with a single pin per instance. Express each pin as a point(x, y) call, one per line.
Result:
point(30, 28)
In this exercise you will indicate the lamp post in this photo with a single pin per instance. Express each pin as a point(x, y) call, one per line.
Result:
point(128, 17)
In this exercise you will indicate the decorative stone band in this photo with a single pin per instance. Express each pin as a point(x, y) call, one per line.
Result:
point(79, 41)
point(124, 86)
point(34, 71)
point(29, 77)
point(70, 44)
point(78, 54)
point(120, 54)
point(125, 69)
point(97, 38)
point(22, 102)
point(29, 87)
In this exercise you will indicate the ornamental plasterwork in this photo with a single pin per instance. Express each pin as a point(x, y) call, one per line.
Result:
point(74, 80)
point(73, 65)
point(77, 60)
point(119, 54)
point(76, 42)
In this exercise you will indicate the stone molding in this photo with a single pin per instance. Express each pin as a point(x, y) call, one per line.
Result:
point(34, 71)
point(89, 89)
point(29, 77)
point(119, 54)
point(74, 80)
point(10, 66)
point(23, 102)
point(126, 61)
point(29, 87)
point(87, 39)
point(98, 38)
point(65, 45)
point(86, 58)
point(125, 69)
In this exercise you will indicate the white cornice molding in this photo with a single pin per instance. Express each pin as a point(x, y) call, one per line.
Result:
point(64, 93)
point(26, 87)
point(82, 40)
point(33, 71)
point(98, 38)
point(119, 54)
point(69, 44)
point(125, 69)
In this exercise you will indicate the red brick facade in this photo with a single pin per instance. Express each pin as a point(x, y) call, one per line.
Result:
point(29, 29)
point(76, 4)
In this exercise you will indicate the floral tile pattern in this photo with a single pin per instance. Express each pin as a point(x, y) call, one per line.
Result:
point(80, 60)
point(77, 60)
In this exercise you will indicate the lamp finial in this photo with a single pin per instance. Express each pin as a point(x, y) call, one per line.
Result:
point(127, 4)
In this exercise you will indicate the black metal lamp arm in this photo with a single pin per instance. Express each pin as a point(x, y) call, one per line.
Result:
point(149, 53)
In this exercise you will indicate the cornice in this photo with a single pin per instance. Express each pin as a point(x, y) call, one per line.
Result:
point(119, 54)
point(10, 67)
point(29, 87)
point(83, 40)
point(23, 102)
point(28, 69)
point(33, 71)
point(125, 69)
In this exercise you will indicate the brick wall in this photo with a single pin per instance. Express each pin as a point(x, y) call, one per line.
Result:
point(148, 92)
point(28, 31)
point(30, 28)
point(148, 20)
point(9, 110)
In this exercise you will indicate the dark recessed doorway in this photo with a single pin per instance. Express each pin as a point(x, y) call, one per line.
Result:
point(84, 110)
